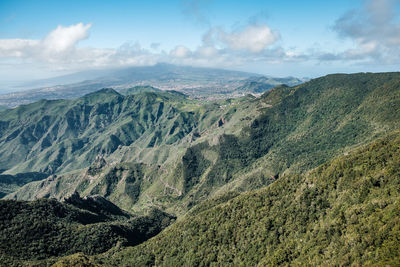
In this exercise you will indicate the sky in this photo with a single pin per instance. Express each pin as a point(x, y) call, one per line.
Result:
point(309, 38)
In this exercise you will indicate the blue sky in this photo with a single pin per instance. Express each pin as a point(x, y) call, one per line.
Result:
point(310, 38)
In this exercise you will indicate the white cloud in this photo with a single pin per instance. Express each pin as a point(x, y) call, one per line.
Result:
point(252, 38)
point(59, 50)
point(17, 47)
point(375, 30)
point(231, 49)
point(55, 44)
point(252, 43)
point(207, 51)
point(180, 51)
point(65, 38)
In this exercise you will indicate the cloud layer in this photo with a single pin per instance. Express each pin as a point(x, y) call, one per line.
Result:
point(253, 38)
point(58, 43)
point(374, 29)
point(60, 50)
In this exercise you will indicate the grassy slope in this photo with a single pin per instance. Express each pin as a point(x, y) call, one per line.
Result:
point(122, 184)
point(54, 136)
point(64, 135)
point(147, 126)
point(299, 128)
point(10, 183)
point(156, 184)
point(344, 212)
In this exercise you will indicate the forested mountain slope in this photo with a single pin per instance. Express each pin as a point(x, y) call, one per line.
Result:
point(345, 212)
point(240, 145)
point(301, 175)
point(31, 231)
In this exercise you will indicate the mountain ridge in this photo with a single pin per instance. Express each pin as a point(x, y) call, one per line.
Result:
point(331, 215)
point(245, 144)
point(303, 174)
point(203, 83)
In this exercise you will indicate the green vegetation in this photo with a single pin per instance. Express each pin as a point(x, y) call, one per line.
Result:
point(298, 129)
point(56, 136)
point(139, 90)
point(255, 87)
point(173, 123)
point(10, 183)
point(311, 122)
point(75, 260)
point(188, 151)
point(345, 212)
point(324, 153)
point(47, 228)
point(263, 84)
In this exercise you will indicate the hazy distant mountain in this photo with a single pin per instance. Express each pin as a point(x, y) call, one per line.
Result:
point(194, 81)
point(76, 77)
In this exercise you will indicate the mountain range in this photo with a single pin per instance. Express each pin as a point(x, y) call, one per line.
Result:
point(203, 83)
point(301, 174)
